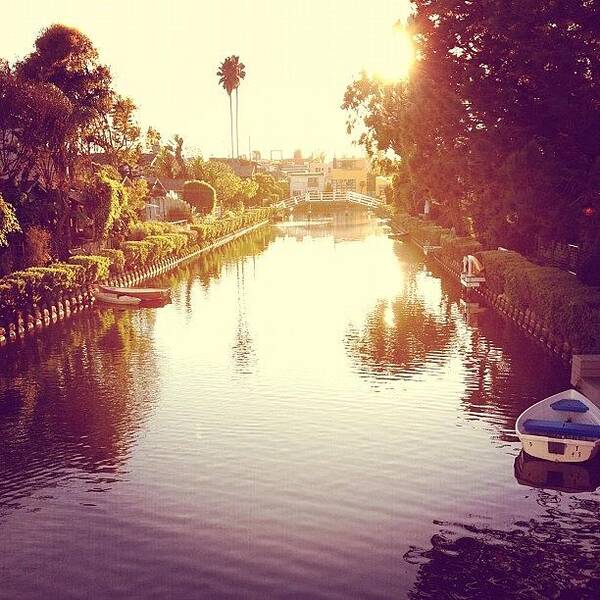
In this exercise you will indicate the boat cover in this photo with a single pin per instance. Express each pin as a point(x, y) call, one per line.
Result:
point(570, 405)
point(561, 428)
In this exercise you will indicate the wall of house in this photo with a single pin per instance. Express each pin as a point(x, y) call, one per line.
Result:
point(306, 182)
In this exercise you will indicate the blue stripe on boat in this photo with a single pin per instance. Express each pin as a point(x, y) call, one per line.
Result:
point(570, 405)
point(562, 429)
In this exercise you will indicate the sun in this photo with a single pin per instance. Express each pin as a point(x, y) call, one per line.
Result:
point(393, 57)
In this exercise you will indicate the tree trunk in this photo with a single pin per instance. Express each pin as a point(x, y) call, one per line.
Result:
point(237, 131)
point(231, 123)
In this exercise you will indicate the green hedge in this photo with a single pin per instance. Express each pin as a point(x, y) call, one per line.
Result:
point(141, 230)
point(136, 253)
point(96, 267)
point(36, 286)
point(117, 260)
point(210, 231)
point(566, 306)
point(458, 247)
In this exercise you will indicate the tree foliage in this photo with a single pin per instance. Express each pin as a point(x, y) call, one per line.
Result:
point(8, 221)
point(116, 133)
point(498, 121)
point(105, 198)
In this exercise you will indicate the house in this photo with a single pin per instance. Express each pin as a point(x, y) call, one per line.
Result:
point(350, 174)
point(166, 198)
point(300, 183)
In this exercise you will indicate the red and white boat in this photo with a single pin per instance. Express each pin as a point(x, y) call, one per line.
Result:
point(141, 293)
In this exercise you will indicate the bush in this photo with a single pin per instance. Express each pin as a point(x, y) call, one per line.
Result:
point(200, 195)
point(567, 307)
point(7, 299)
point(500, 265)
point(96, 267)
point(458, 247)
point(117, 260)
point(180, 213)
point(140, 231)
point(105, 198)
point(136, 253)
point(27, 289)
point(55, 281)
point(8, 221)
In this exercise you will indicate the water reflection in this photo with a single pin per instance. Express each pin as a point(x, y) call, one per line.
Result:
point(400, 338)
point(554, 555)
point(72, 399)
point(562, 477)
point(313, 406)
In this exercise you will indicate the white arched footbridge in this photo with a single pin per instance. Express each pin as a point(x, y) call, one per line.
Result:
point(331, 197)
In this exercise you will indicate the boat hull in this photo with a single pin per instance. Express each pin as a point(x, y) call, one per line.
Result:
point(575, 451)
point(116, 300)
point(141, 293)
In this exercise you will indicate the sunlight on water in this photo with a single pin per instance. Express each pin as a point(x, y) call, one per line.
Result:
point(315, 415)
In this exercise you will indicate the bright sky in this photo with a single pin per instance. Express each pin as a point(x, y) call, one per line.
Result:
point(299, 57)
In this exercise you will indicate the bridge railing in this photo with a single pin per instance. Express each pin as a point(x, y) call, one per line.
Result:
point(346, 196)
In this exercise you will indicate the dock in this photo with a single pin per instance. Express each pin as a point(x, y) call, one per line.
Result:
point(585, 375)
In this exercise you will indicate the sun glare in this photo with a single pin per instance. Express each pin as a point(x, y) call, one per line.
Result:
point(395, 56)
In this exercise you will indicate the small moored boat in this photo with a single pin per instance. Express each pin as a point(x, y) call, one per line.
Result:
point(562, 428)
point(141, 293)
point(121, 300)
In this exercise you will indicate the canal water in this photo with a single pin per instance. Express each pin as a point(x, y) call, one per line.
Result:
point(318, 414)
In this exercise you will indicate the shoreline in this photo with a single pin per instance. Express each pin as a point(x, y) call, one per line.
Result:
point(33, 319)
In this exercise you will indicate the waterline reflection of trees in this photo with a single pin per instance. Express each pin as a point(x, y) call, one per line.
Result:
point(399, 337)
point(73, 402)
point(554, 555)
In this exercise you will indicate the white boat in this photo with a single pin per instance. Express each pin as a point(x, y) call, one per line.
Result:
point(121, 300)
point(562, 428)
point(141, 293)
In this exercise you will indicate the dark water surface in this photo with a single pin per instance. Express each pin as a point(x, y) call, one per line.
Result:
point(315, 416)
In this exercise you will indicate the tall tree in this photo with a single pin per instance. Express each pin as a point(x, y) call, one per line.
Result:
point(117, 133)
point(240, 69)
point(66, 59)
point(231, 72)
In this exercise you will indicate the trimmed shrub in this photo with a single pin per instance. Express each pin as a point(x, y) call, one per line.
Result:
point(117, 260)
point(78, 272)
point(140, 231)
point(500, 265)
point(458, 247)
point(200, 195)
point(7, 299)
point(26, 288)
point(96, 267)
point(136, 253)
point(567, 307)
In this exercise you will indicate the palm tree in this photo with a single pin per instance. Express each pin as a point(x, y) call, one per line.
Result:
point(240, 70)
point(231, 72)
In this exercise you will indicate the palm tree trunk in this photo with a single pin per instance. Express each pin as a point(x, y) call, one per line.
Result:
point(237, 132)
point(231, 123)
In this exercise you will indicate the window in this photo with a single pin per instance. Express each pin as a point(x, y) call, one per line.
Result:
point(313, 182)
